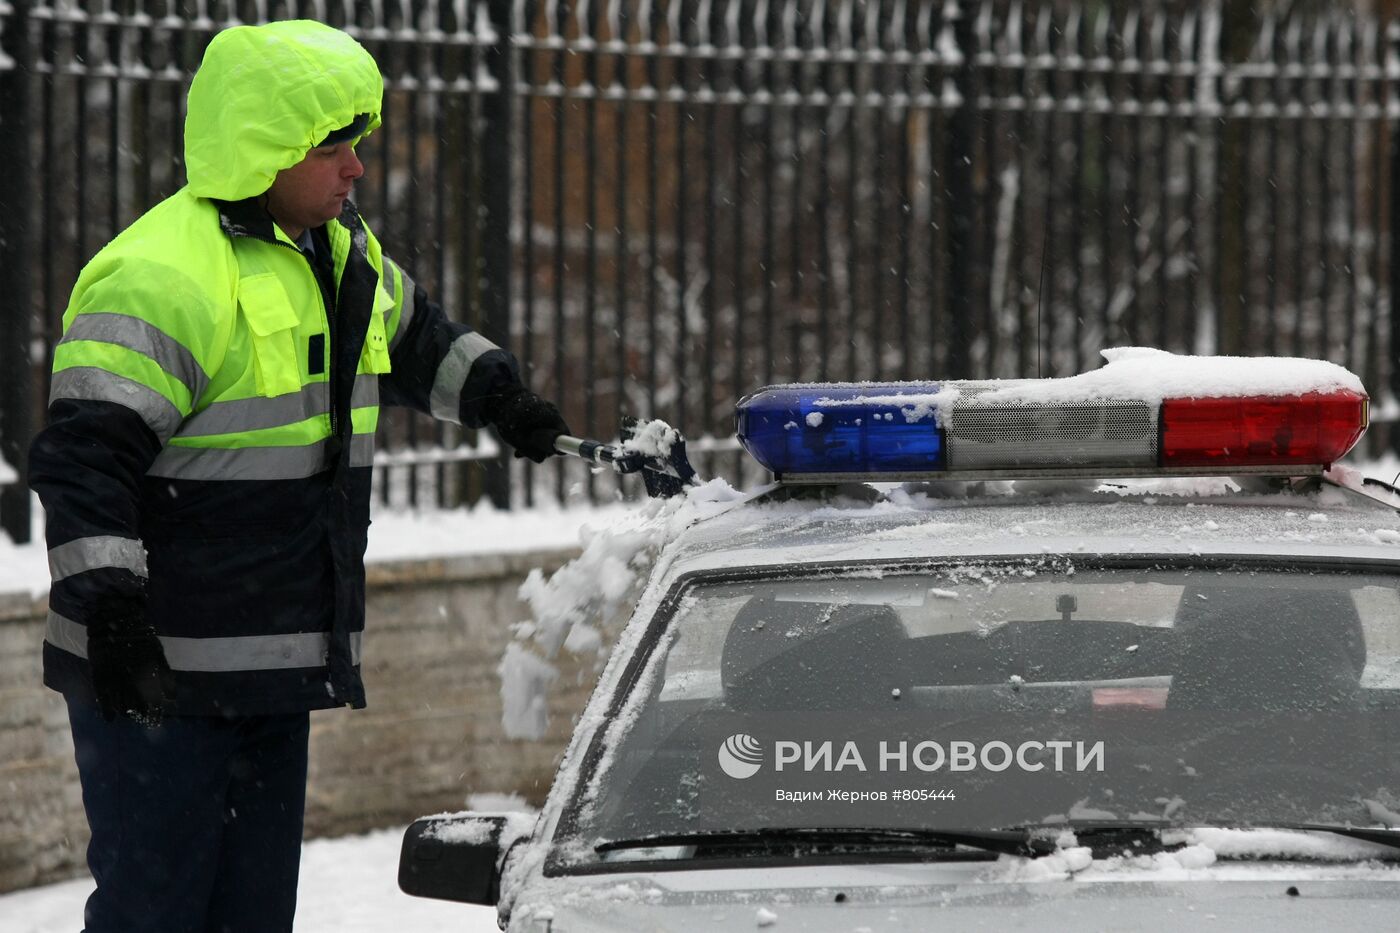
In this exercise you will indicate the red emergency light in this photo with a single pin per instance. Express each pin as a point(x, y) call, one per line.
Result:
point(1316, 428)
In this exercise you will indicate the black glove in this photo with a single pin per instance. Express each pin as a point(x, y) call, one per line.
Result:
point(129, 673)
point(526, 422)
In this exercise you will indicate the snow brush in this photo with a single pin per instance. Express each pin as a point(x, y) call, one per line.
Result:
point(652, 448)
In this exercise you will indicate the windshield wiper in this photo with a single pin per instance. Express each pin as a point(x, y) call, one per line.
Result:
point(1018, 841)
point(1376, 834)
point(1108, 835)
point(1028, 840)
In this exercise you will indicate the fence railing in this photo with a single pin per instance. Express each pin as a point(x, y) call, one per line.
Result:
point(663, 204)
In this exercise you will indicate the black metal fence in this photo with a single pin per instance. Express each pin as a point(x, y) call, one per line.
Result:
point(663, 204)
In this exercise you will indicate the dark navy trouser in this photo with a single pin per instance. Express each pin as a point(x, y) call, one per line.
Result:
point(196, 823)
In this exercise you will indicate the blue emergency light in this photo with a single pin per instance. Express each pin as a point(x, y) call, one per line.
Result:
point(824, 432)
point(840, 428)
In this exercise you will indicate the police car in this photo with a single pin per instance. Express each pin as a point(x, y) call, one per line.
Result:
point(1114, 651)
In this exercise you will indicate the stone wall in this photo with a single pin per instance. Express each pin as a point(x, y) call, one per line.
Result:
point(42, 830)
point(430, 736)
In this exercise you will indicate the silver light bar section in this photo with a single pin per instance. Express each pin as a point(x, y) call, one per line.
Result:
point(1111, 434)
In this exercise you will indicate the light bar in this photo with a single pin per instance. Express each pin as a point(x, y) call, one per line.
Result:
point(834, 431)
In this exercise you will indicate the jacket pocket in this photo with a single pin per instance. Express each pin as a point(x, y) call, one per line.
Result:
point(273, 325)
point(374, 358)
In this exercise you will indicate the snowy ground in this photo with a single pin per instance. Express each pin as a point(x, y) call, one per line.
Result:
point(348, 885)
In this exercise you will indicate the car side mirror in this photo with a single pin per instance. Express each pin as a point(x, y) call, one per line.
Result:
point(458, 857)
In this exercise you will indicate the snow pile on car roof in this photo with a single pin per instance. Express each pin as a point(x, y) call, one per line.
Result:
point(1139, 373)
point(1153, 375)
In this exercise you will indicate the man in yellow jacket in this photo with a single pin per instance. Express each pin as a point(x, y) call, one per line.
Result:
point(205, 472)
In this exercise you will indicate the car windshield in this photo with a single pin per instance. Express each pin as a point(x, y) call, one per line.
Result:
point(984, 695)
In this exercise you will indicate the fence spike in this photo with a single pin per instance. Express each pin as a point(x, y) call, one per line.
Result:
point(1044, 21)
point(1321, 39)
point(1264, 41)
point(844, 17)
point(948, 46)
point(646, 26)
point(703, 34)
point(896, 37)
point(1132, 37)
point(611, 17)
point(1347, 49)
point(1346, 37)
point(870, 26)
point(1157, 37)
point(1186, 42)
point(760, 24)
point(817, 22)
point(1015, 24)
point(1103, 22)
point(675, 33)
point(788, 20)
point(733, 25)
point(1293, 41)
point(581, 12)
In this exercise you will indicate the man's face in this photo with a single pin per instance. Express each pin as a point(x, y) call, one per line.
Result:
point(313, 191)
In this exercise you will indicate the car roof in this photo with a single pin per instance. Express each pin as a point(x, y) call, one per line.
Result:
point(1335, 518)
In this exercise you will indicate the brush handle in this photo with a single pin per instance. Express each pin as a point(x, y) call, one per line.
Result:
point(594, 452)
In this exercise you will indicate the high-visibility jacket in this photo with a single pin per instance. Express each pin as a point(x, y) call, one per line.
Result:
point(215, 396)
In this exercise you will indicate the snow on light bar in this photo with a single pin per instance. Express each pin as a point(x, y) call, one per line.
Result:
point(1146, 413)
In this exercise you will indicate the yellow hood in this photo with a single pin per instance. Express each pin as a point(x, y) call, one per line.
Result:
point(264, 95)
